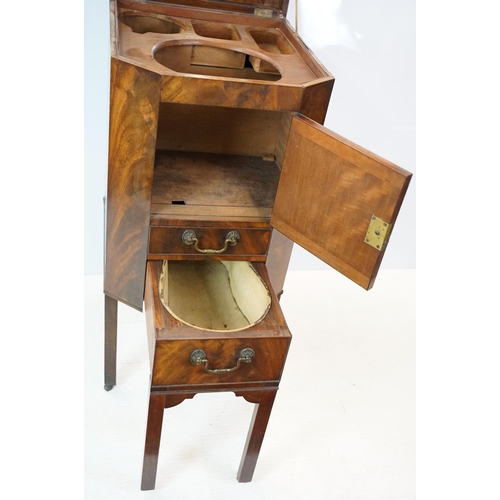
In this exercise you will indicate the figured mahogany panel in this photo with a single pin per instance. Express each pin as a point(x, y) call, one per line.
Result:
point(173, 367)
point(135, 97)
point(328, 191)
point(231, 93)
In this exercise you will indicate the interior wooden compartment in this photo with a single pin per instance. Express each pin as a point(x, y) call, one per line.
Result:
point(210, 29)
point(271, 40)
point(217, 161)
point(142, 22)
point(214, 295)
point(195, 58)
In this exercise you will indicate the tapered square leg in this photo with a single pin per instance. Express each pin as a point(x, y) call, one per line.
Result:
point(110, 333)
point(258, 426)
point(153, 436)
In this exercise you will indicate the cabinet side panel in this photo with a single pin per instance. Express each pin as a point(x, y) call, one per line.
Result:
point(282, 137)
point(315, 100)
point(134, 101)
point(280, 247)
point(278, 258)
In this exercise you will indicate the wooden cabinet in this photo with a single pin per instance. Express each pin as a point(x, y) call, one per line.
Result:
point(217, 154)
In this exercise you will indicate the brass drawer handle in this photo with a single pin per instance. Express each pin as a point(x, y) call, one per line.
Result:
point(189, 237)
point(198, 357)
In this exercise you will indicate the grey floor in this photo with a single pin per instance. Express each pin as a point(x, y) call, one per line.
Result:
point(342, 427)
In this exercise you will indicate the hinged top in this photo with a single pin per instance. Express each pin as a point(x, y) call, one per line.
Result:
point(257, 7)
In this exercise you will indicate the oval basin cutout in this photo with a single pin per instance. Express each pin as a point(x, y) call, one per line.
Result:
point(214, 295)
point(204, 59)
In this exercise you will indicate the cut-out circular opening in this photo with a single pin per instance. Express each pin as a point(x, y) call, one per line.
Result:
point(142, 23)
point(214, 295)
point(215, 30)
point(205, 59)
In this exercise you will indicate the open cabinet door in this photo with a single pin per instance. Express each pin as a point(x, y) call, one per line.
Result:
point(337, 200)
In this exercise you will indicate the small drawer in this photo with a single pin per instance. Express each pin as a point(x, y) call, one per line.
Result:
point(201, 242)
point(212, 322)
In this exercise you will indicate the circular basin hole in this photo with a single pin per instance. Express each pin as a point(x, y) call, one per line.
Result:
point(196, 59)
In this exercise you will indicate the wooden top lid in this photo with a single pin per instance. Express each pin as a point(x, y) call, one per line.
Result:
point(242, 6)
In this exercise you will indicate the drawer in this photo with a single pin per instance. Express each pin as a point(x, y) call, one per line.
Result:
point(193, 349)
point(180, 242)
point(224, 360)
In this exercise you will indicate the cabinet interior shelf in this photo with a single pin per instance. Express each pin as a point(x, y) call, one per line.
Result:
point(190, 184)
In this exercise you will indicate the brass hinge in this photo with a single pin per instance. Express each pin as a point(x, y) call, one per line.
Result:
point(378, 233)
point(263, 12)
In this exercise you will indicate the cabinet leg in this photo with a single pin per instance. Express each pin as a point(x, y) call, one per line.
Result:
point(110, 329)
point(153, 436)
point(255, 437)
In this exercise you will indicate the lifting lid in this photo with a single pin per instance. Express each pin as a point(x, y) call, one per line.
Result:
point(337, 200)
point(265, 8)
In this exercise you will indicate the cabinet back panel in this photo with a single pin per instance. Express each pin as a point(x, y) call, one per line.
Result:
point(217, 130)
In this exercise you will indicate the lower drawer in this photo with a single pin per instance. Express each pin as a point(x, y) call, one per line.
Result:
point(224, 360)
point(212, 323)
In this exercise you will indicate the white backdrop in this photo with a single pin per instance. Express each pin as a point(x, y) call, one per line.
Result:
point(368, 45)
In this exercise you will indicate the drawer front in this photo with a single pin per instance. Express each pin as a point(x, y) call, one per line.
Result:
point(173, 366)
point(168, 242)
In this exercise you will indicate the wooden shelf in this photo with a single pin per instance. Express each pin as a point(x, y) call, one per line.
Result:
point(207, 185)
